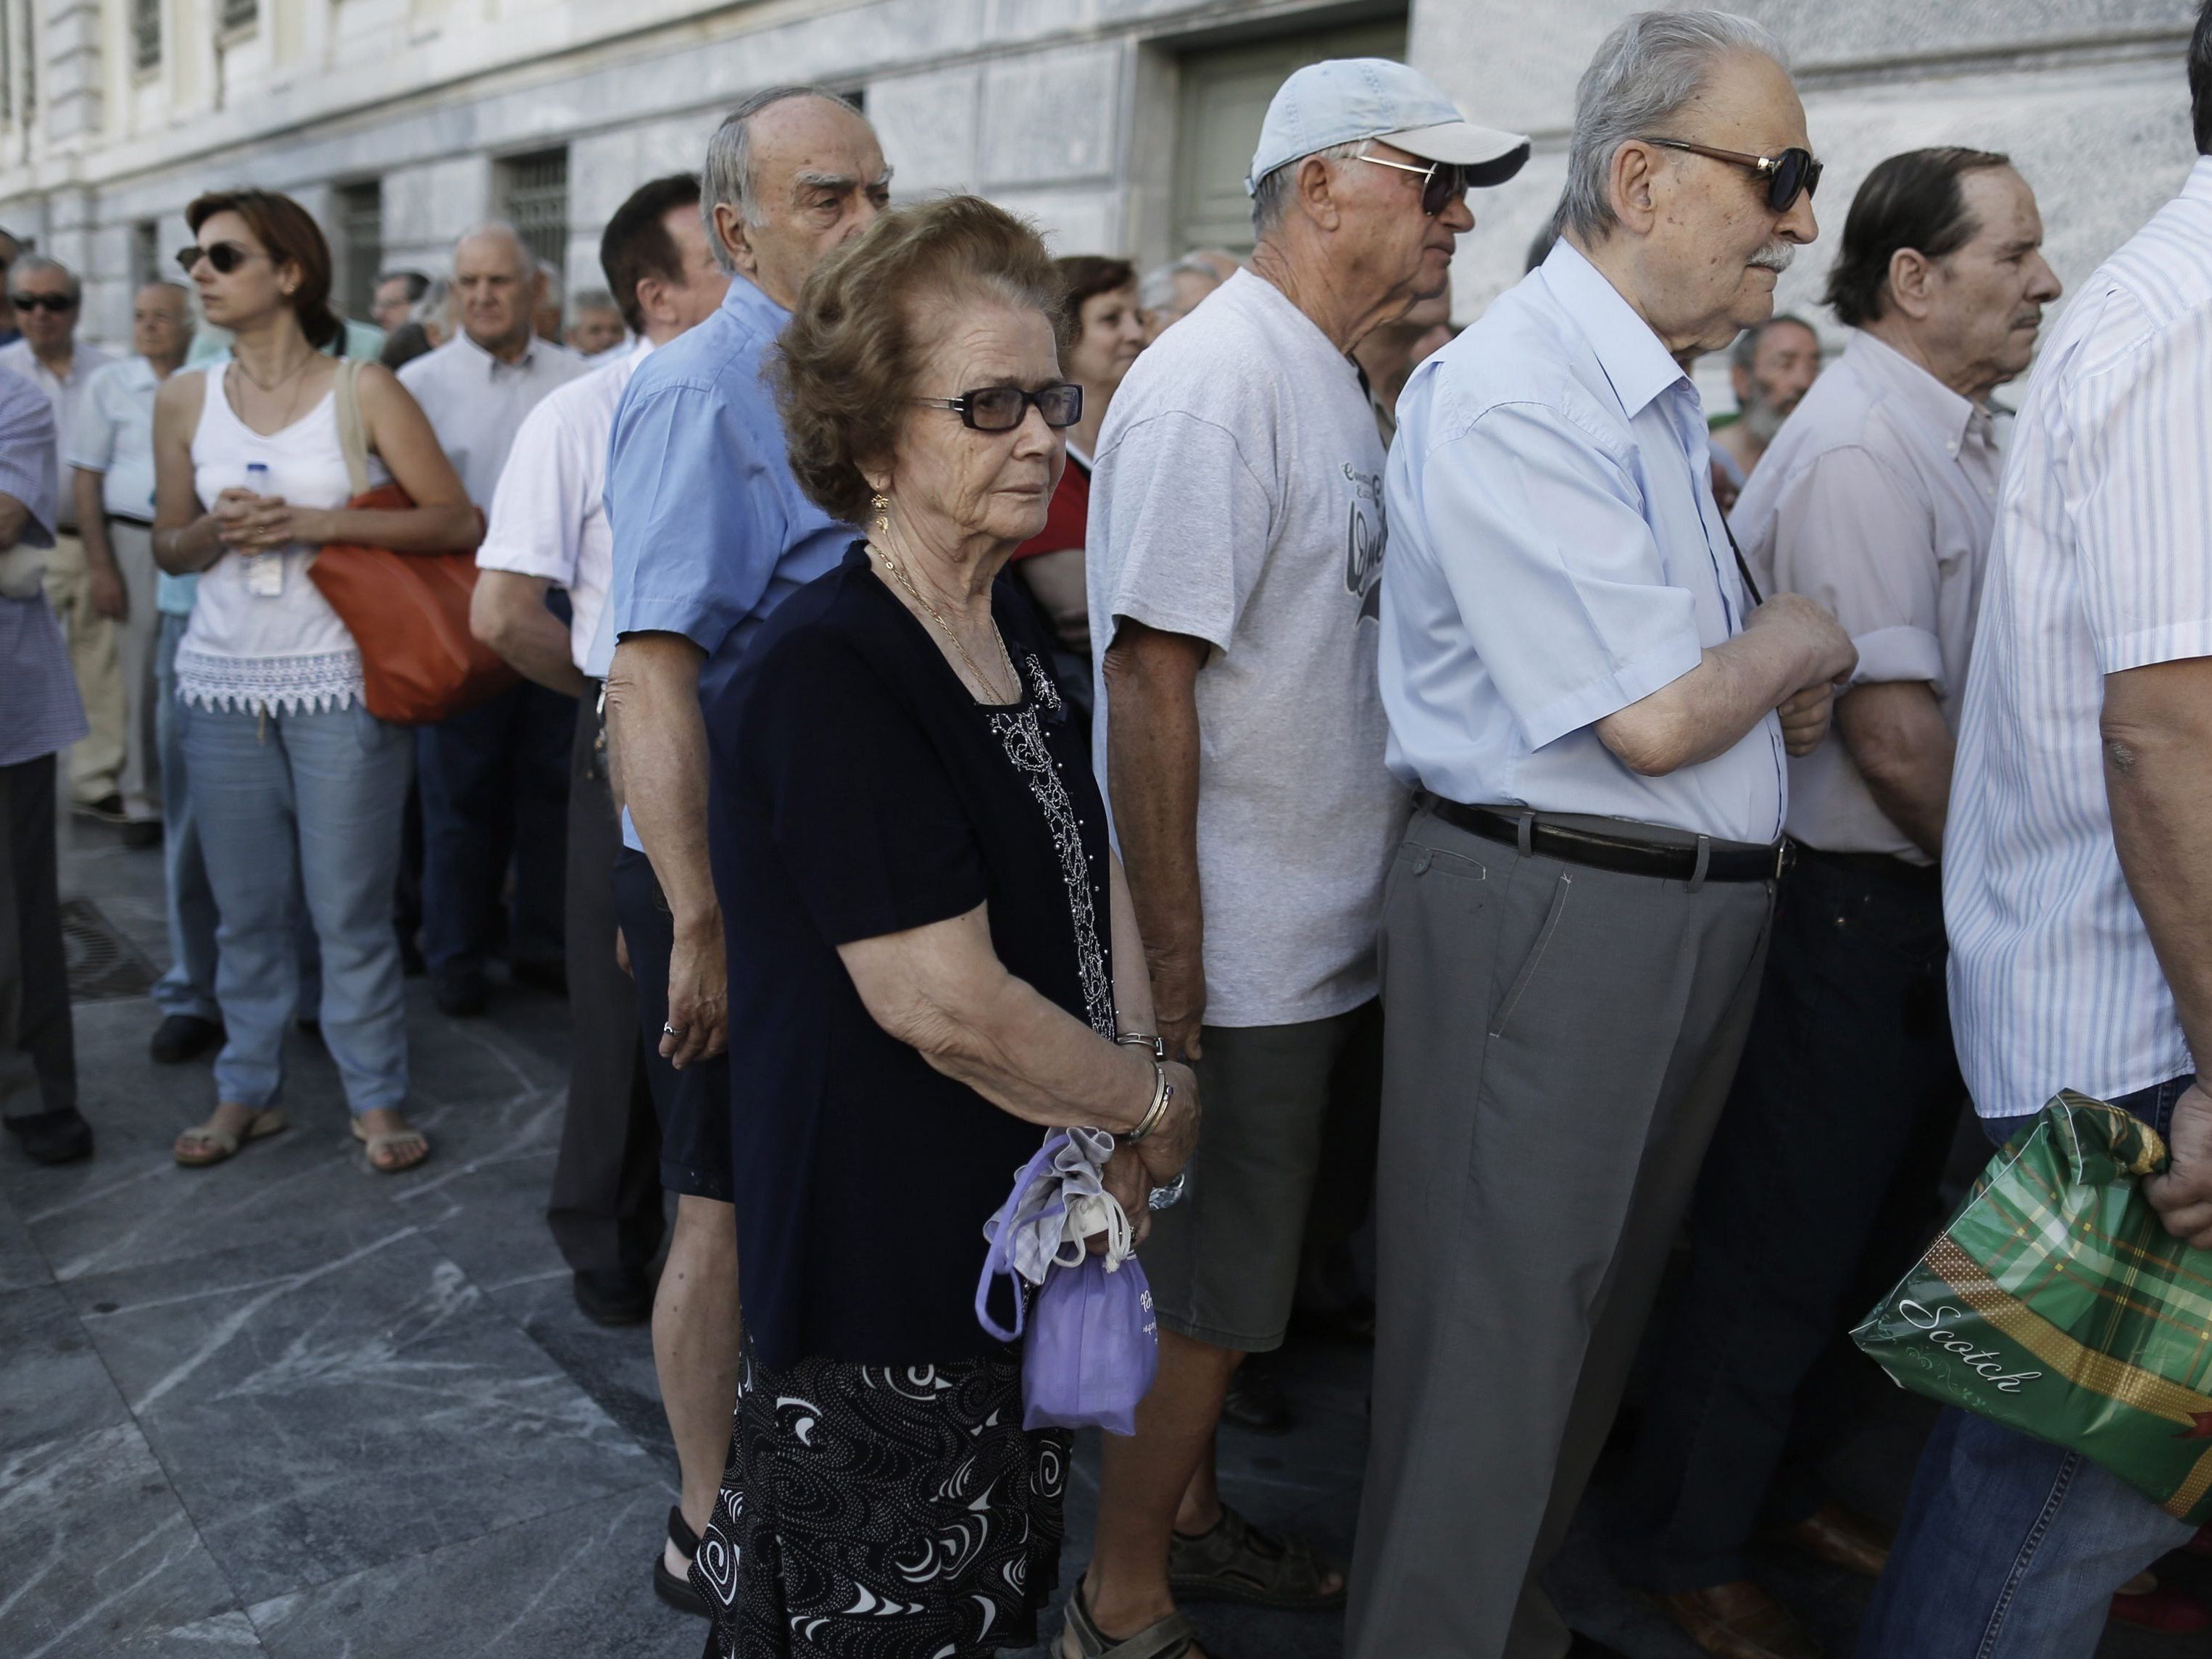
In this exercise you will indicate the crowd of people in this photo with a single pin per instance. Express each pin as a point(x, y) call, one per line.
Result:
point(959, 692)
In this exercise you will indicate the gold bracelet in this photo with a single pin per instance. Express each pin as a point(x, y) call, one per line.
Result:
point(1162, 1093)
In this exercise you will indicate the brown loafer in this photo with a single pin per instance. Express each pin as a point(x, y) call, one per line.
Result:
point(1740, 1621)
point(1833, 1535)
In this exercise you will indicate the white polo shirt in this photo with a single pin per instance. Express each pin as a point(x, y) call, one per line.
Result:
point(2102, 562)
point(548, 515)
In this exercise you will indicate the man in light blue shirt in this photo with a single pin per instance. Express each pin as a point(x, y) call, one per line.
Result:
point(711, 533)
point(1595, 710)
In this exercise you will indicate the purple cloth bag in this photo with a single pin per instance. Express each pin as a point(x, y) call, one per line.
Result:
point(1092, 1346)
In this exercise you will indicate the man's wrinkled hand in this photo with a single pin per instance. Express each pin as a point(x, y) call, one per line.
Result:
point(1179, 1000)
point(698, 995)
point(1805, 717)
point(2183, 1195)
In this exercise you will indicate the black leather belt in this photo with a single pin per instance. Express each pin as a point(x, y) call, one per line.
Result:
point(1726, 860)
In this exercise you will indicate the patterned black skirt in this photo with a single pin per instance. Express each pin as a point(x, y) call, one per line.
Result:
point(874, 1513)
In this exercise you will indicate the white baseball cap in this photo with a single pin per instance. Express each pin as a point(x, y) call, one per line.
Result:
point(1346, 99)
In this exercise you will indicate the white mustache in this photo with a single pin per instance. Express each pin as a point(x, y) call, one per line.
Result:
point(1775, 257)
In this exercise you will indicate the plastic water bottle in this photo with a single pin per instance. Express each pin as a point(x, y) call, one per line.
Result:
point(265, 572)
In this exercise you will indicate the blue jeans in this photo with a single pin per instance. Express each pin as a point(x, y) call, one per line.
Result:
point(2011, 1547)
point(189, 986)
point(288, 803)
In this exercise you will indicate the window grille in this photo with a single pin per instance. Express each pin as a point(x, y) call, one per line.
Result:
point(239, 14)
point(360, 228)
point(146, 33)
point(145, 254)
point(534, 197)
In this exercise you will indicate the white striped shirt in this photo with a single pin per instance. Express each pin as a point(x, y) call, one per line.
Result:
point(2102, 562)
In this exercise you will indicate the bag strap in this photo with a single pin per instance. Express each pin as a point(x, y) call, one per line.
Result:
point(351, 437)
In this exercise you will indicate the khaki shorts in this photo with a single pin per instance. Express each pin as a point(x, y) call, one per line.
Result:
point(1276, 1101)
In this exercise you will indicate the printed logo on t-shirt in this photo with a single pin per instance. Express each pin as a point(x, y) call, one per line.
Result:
point(1365, 535)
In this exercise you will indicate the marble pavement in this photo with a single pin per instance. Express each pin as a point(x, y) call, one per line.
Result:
point(285, 1408)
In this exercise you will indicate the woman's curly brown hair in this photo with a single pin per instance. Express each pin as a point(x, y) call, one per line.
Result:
point(847, 367)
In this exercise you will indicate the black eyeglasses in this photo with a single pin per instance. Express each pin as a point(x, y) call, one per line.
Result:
point(1003, 408)
point(225, 257)
point(54, 302)
point(1442, 183)
point(1789, 175)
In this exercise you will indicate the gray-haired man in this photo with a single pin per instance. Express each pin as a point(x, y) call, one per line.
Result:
point(1236, 542)
point(711, 533)
point(1596, 717)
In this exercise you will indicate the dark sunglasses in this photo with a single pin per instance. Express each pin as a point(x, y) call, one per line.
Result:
point(225, 257)
point(1789, 175)
point(1442, 183)
point(1003, 408)
point(57, 302)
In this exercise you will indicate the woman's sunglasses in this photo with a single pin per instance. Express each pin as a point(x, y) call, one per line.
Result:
point(1003, 408)
point(1442, 183)
point(1789, 175)
point(225, 257)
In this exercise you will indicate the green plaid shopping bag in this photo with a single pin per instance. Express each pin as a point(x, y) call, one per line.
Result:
point(2057, 1304)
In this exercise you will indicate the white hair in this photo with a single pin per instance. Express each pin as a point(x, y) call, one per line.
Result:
point(1158, 288)
point(1643, 76)
point(727, 179)
point(1270, 195)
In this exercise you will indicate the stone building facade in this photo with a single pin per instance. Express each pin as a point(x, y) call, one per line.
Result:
point(1121, 125)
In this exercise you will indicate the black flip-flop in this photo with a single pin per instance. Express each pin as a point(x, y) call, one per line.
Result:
point(677, 1592)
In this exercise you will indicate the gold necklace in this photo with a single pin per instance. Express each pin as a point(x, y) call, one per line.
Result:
point(291, 405)
point(899, 575)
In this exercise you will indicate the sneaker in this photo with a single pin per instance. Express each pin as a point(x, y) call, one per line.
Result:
point(57, 1137)
point(182, 1037)
point(461, 993)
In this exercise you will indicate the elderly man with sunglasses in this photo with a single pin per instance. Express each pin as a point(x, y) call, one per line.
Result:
point(1236, 540)
point(84, 584)
point(1594, 709)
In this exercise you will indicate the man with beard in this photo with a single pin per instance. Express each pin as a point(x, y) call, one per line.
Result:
point(1594, 709)
point(1771, 368)
point(1878, 499)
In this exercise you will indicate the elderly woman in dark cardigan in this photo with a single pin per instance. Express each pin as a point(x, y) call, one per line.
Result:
point(933, 960)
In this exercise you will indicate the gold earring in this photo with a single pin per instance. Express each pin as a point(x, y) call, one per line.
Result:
point(882, 503)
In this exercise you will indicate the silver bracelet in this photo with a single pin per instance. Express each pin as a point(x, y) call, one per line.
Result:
point(1167, 1197)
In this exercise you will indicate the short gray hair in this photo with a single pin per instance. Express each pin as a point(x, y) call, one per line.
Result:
point(1271, 196)
point(1158, 288)
point(525, 262)
point(37, 265)
point(1648, 69)
point(727, 179)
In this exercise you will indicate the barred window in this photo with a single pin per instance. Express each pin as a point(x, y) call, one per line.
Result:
point(360, 244)
point(239, 14)
point(534, 198)
point(146, 33)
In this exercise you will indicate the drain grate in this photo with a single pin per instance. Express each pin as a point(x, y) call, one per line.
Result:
point(103, 966)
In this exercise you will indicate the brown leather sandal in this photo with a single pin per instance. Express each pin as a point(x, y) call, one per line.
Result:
point(1168, 1638)
point(1236, 1561)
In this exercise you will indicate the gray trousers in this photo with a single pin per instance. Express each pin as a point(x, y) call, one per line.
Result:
point(1558, 1042)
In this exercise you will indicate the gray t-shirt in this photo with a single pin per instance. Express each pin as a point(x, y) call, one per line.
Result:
point(1239, 498)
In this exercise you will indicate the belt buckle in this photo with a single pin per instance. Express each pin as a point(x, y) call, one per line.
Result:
point(1785, 856)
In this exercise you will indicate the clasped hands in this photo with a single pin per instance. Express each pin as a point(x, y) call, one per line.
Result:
point(1830, 658)
point(247, 523)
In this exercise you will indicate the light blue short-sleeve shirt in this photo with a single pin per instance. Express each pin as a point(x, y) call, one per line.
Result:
point(1556, 554)
point(711, 530)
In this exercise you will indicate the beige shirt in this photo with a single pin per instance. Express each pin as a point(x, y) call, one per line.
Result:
point(476, 403)
point(1877, 499)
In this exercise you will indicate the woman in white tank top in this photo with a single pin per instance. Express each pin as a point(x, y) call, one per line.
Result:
point(295, 785)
